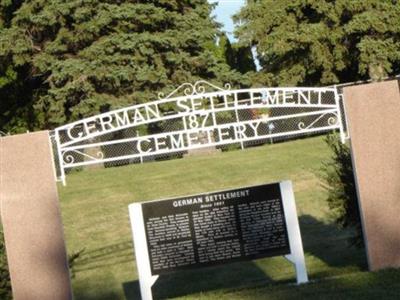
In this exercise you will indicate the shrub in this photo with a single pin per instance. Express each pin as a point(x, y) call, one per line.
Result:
point(339, 181)
point(5, 283)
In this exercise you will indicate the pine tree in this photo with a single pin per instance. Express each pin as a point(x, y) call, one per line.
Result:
point(14, 105)
point(80, 57)
point(244, 60)
point(226, 53)
point(238, 57)
point(320, 42)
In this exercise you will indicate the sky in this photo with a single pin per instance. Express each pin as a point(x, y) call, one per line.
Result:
point(224, 12)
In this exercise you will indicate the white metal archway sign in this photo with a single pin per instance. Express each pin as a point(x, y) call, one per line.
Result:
point(197, 116)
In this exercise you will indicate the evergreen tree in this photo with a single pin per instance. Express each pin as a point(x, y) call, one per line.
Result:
point(311, 42)
point(80, 57)
point(14, 112)
point(244, 60)
point(226, 52)
point(238, 57)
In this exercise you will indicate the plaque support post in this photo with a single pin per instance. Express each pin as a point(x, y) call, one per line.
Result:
point(296, 255)
point(146, 279)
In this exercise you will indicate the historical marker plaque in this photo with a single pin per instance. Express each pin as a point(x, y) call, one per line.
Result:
point(215, 228)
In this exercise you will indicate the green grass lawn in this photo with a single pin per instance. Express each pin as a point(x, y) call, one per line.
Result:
point(95, 215)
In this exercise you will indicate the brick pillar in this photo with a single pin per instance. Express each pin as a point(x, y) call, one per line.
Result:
point(31, 219)
point(373, 112)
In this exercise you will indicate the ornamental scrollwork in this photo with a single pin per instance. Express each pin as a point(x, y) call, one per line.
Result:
point(331, 121)
point(69, 158)
point(191, 89)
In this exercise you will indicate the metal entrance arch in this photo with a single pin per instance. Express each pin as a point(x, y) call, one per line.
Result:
point(197, 116)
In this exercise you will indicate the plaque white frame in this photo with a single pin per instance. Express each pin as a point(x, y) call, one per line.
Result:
point(146, 279)
point(296, 256)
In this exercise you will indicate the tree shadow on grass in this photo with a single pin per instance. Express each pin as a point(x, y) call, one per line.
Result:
point(361, 285)
point(105, 256)
point(330, 243)
point(194, 281)
point(322, 240)
point(85, 294)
